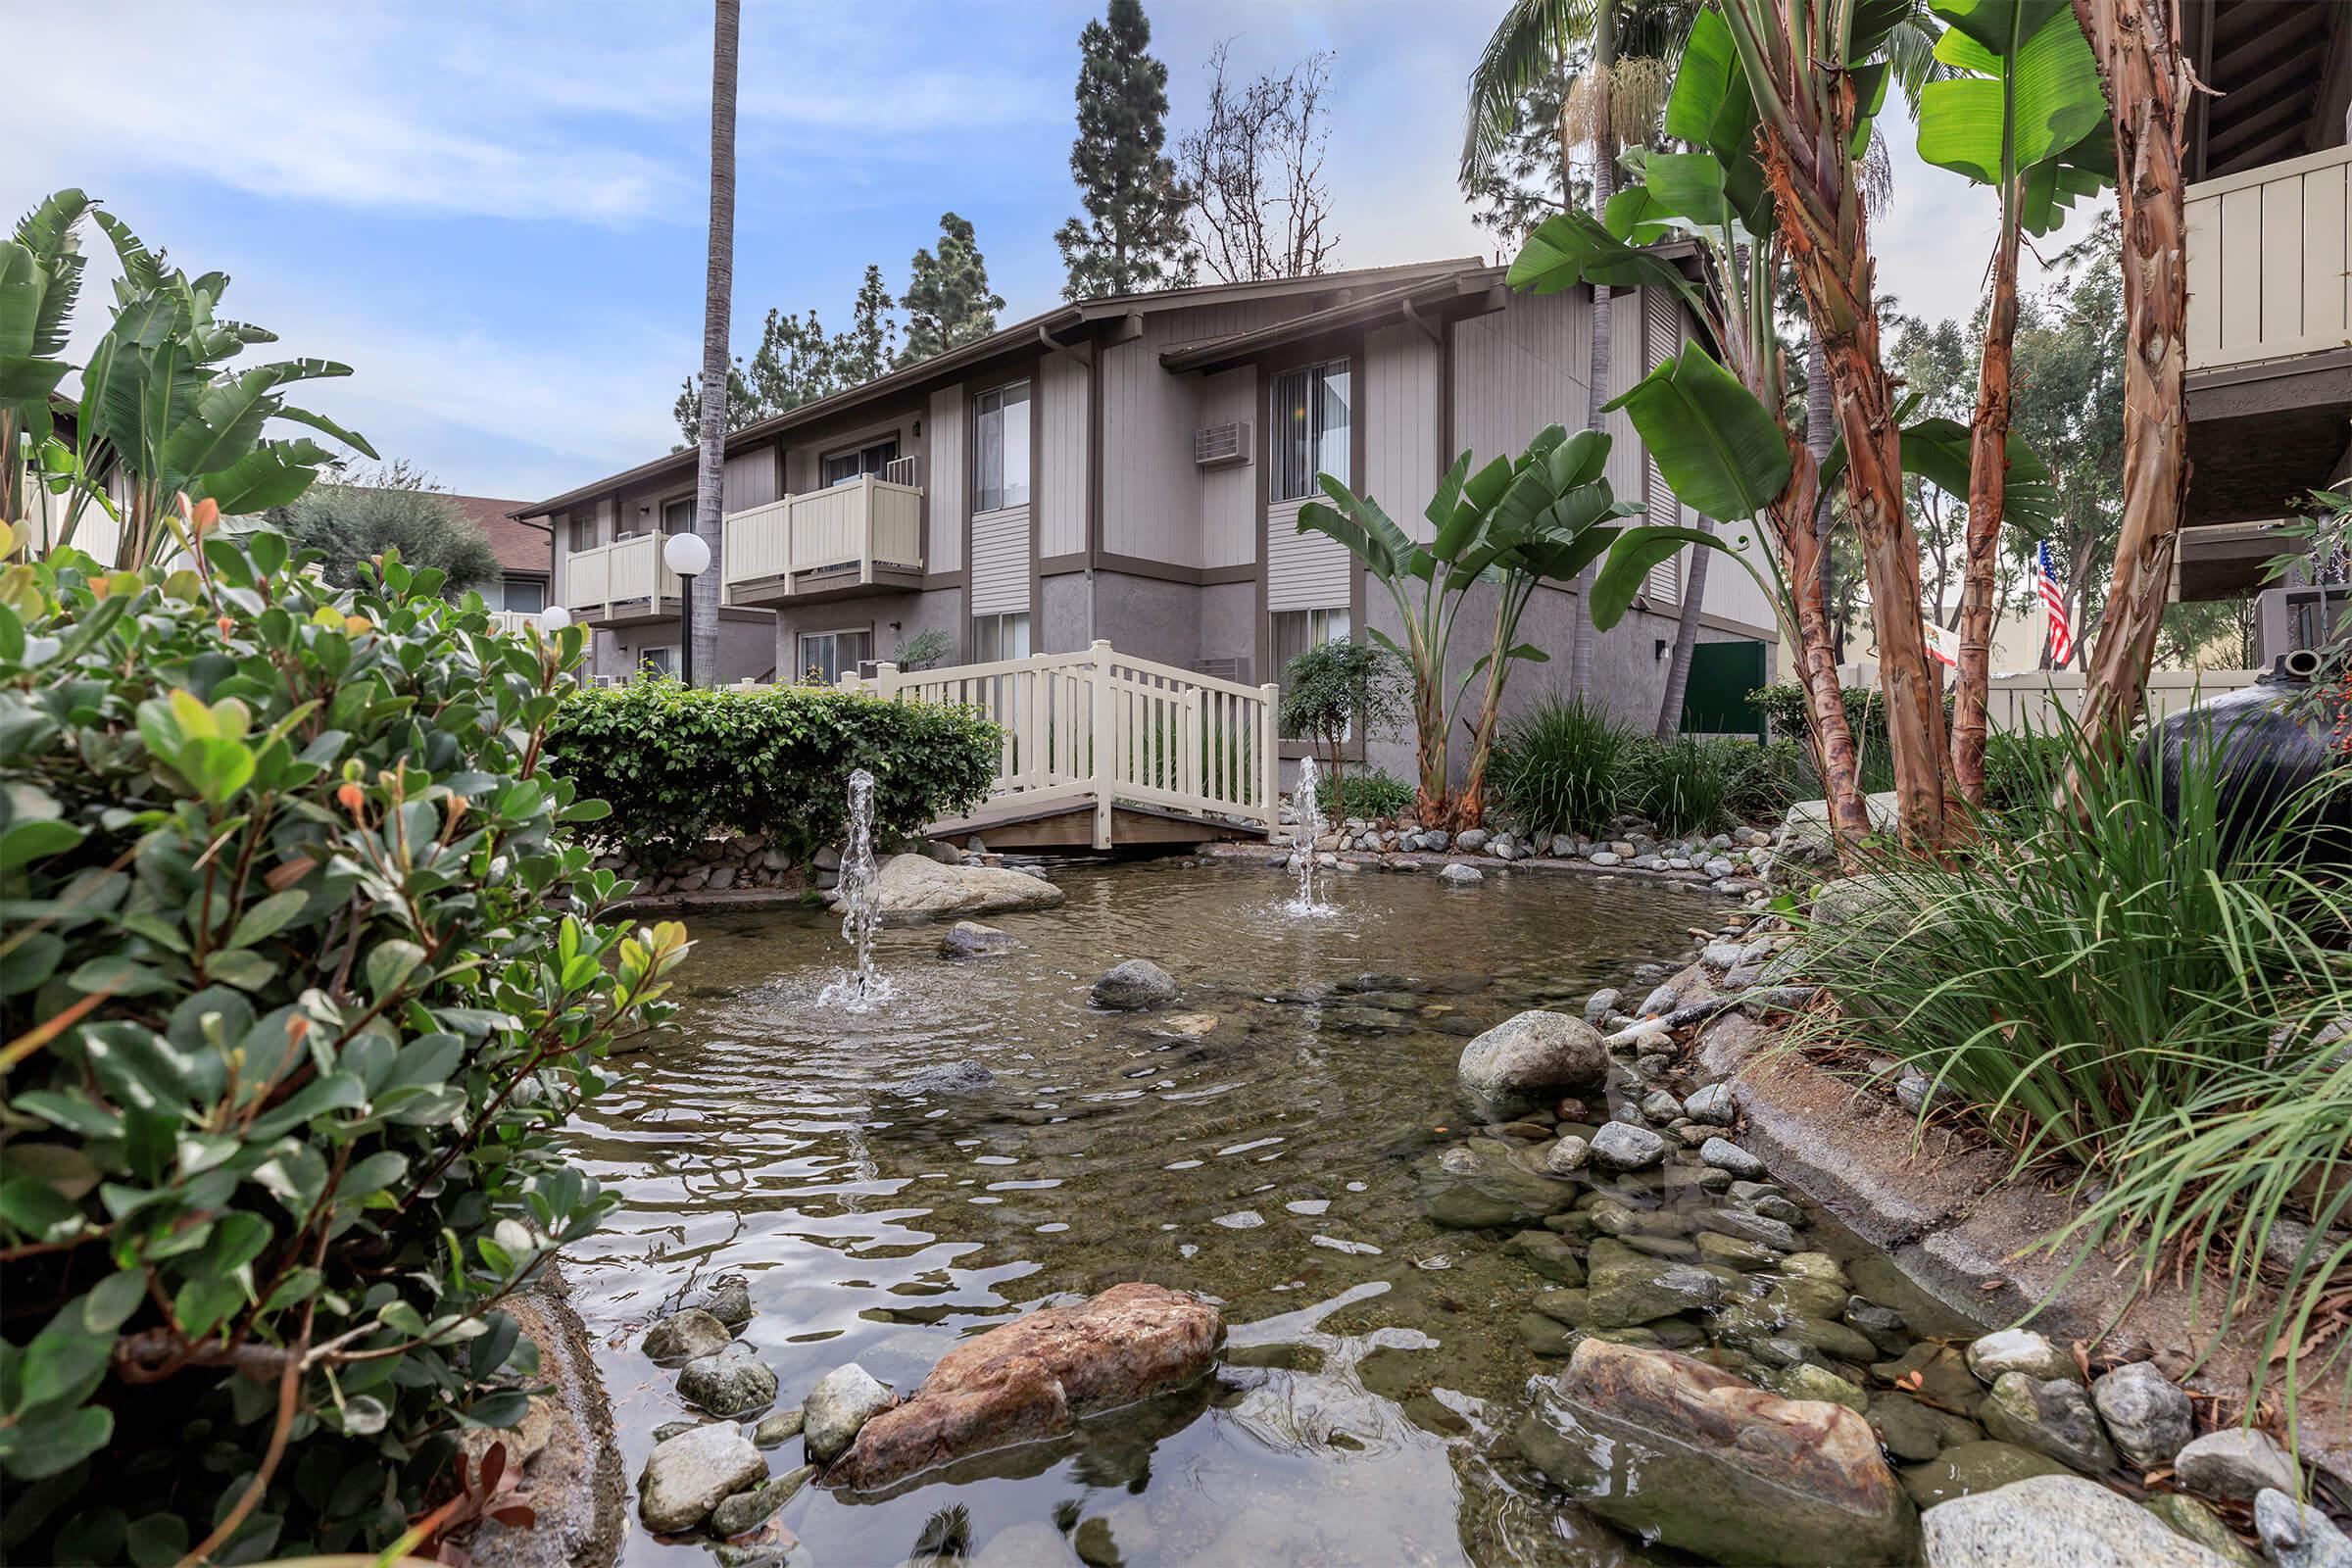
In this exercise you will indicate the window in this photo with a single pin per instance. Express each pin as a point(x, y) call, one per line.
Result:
point(1000, 448)
point(996, 637)
point(873, 458)
point(678, 516)
point(1309, 426)
point(826, 655)
point(526, 594)
point(583, 530)
point(1297, 630)
point(663, 661)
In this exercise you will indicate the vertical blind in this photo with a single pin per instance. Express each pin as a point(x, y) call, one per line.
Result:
point(1309, 425)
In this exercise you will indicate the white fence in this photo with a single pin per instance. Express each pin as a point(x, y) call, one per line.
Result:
point(860, 523)
point(2037, 698)
point(1098, 725)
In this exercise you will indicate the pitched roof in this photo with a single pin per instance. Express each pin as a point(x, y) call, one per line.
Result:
point(523, 547)
point(1047, 327)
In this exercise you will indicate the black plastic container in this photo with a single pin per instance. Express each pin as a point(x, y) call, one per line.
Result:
point(2273, 748)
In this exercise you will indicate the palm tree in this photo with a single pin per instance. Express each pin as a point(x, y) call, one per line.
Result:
point(719, 288)
point(1626, 51)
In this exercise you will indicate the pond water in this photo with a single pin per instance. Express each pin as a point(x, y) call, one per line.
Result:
point(1255, 1143)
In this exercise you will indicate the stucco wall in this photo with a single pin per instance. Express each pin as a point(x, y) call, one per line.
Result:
point(938, 610)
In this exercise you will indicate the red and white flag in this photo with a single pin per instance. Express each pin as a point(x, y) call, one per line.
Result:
point(2062, 635)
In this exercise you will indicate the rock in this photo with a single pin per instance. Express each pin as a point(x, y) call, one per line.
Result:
point(748, 1510)
point(1543, 1335)
point(1732, 1253)
point(969, 939)
point(910, 889)
point(1713, 1104)
point(1805, 1381)
point(1720, 955)
point(1605, 858)
point(1883, 1325)
point(843, 1401)
point(1966, 1469)
point(1036, 1377)
point(2049, 1415)
point(1719, 868)
point(732, 1381)
point(1548, 1255)
point(1660, 1001)
point(1134, 986)
point(2298, 1534)
point(1748, 1227)
point(1933, 1372)
point(966, 1077)
point(1628, 1288)
point(671, 1429)
point(1470, 839)
point(1660, 1106)
point(2234, 1466)
point(1570, 1154)
point(1872, 908)
point(1724, 1154)
point(1479, 1184)
point(827, 858)
point(1461, 875)
point(1686, 1453)
point(1621, 1146)
point(1600, 1005)
point(2199, 1523)
point(729, 1301)
point(685, 1336)
point(782, 1427)
point(1914, 1431)
point(2148, 1416)
point(693, 1473)
point(1532, 1060)
point(2053, 1520)
point(2019, 1351)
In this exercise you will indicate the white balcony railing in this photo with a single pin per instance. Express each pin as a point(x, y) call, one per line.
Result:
point(861, 523)
point(628, 571)
point(513, 623)
point(2268, 253)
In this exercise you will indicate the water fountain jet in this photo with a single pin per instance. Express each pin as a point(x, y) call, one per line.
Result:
point(858, 898)
point(1308, 809)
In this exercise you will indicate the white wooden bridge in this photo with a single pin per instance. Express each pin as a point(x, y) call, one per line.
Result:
point(1100, 749)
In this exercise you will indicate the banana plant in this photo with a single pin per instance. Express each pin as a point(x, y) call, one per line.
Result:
point(40, 276)
point(1511, 524)
point(2022, 112)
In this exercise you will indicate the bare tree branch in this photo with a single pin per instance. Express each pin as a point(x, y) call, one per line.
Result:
point(1261, 206)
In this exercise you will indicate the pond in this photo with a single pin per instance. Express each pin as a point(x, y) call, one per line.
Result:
point(1257, 1143)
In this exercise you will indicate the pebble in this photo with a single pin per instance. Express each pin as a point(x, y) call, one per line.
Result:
point(2019, 1351)
point(1600, 1005)
point(1570, 1154)
point(1621, 1146)
point(781, 1427)
point(1724, 1154)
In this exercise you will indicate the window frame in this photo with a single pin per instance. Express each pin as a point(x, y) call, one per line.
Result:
point(1315, 375)
point(505, 593)
point(856, 451)
point(1279, 660)
point(998, 622)
point(980, 505)
point(800, 663)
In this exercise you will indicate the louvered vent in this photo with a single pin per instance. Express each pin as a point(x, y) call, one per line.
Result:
point(1221, 446)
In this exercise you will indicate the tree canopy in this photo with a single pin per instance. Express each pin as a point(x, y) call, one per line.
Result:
point(396, 507)
point(1134, 235)
point(948, 302)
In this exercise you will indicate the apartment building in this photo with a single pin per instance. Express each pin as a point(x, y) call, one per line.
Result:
point(1131, 468)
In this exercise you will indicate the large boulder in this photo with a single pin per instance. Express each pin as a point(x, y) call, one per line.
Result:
point(910, 889)
point(693, 1473)
point(1036, 1377)
point(1531, 1060)
point(2055, 1520)
point(1690, 1454)
point(1482, 1184)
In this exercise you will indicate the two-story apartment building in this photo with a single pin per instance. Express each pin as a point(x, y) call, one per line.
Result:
point(2270, 300)
point(1131, 468)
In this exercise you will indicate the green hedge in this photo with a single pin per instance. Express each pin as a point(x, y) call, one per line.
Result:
point(678, 763)
point(298, 975)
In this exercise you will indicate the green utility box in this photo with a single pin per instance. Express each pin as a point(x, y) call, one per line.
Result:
point(1716, 700)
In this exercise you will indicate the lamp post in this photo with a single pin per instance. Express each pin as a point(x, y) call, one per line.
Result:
point(554, 617)
point(689, 556)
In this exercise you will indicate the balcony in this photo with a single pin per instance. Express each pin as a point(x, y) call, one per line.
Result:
point(616, 584)
point(2267, 256)
point(859, 536)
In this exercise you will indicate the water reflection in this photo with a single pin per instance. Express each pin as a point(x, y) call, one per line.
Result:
point(987, 1142)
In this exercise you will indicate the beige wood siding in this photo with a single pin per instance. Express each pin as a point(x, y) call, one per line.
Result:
point(1000, 560)
point(751, 479)
point(1229, 496)
point(1399, 406)
point(2268, 253)
point(1061, 491)
point(1150, 490)
point(1518, 369)
point(1304, 570)
point(944, 472)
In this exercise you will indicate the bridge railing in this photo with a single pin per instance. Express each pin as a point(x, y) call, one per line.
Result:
point(1103, 726)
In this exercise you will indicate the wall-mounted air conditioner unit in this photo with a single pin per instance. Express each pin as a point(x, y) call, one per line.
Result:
point(1221, 446)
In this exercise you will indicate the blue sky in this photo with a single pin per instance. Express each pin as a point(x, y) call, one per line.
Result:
point(494, 210)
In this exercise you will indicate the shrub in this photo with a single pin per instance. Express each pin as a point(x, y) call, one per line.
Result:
point(2125, 999)
point(1338, 687)
point(1761, 782)
point(1364, 795)
point(1681, 786)
point(678, 763)
point(1559, 768)
point(300, 976)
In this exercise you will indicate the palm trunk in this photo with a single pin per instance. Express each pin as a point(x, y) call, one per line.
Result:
point(1582, 633)
point(1828, 245)
point(2146, 87)
point(718, 290)
point(1987, 486)
point(1686, 641)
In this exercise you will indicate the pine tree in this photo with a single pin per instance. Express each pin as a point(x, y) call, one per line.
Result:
point(947, 299)
point(1133, 236)
point(863, 351)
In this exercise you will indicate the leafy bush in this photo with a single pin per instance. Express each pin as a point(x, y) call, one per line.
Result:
point(1784, 706)
point(299, 975)
point(2123, 997)
point(395, 508)
point(679, 762)
point(1761, 782)
point(1364, 795)
point(1341, 687)
point(1559, 768)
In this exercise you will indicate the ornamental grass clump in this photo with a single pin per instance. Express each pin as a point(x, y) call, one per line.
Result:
point(2147, 1004)
point(300, 970)
point(1560, 766)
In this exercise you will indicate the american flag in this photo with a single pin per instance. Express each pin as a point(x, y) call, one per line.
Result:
point(2062, 635)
